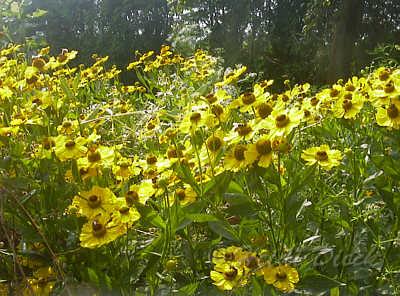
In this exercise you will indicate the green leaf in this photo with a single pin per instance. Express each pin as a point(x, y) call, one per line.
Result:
point(318, 283)
point(39, 13)
point(67, 90)
point(93, 277)
point(235, 187)
point(200, 218)
point(151, 216)
point(188, 289)
point(257, 288)
point(335, 291)
point(224, 229)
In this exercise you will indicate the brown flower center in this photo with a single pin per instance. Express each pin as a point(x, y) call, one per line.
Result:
point(251, 262)
point(231, 274)
point(180, 193)
point(314, 101)
point(243, 129)
point(217, 110)
point(150, 126)
point(173, 153)
point(83, 171)
point(62, 57)
point(384, 75)
point(98, 229)
point(281, 120)
point(392, 111)
point(264, 83)
point(211, 98)
point(66, 124)
point(70, 144)
point(195, 117)
point(239, 152)
point(38, 63)
point(248, 98)
point(389, 87)
point(94, 156)
point(48, 143)
point(124, 210)
point(281, 276)
point(229, 256)
point(124, 165)
point(151, 159)
point(263, 147)
point(264, 110)
point(32, 79)
point(37, 101)
point(347, 104)
point(285, 98)
point(214, 143)
point(334, 92)
point(348, 96)
point(131, 197)
point(321, 156)
point(94, 201)
point(350, 87)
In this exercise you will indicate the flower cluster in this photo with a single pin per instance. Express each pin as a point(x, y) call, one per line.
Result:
point(233, 267)
point(163, 153)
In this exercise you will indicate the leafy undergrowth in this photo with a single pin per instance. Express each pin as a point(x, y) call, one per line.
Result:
point(195, 180)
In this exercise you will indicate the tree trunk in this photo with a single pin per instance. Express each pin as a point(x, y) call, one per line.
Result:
point(344, 37)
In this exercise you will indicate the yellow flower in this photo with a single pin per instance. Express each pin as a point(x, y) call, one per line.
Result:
point(42, 283)
point(125, 168)
point(237, 159)
point(282, 277)
point(185, 196)
point(4, 290)
point(310, 110)
point(246, 101)
point(99, 231)
point(63, 58)
point(328, 95)
point(98, 156)
point(263, 109)
point(228, 276)
point(96, 201)
point(216, 114)
point(348, 106)
point(140, 193)
point(227, 255)
point(67, 148)
point(231, 76)
point(389, 116)
point(124, 213)
point(8, 131)
point(216, 98)
point(282, 121)
point(153, 165)
point(263, 151)
point(45, 149)
point(322, 155)
point(85, 171)
point(241, 131)
point(193, 120)
point(251, 262)
point(40, 100)
point(68, 127)
point(212, 147)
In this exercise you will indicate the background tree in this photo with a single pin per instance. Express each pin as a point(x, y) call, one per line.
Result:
point(311, 40)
